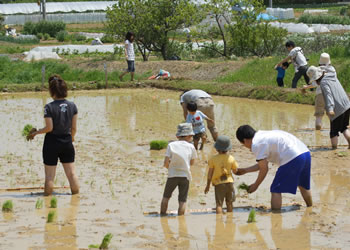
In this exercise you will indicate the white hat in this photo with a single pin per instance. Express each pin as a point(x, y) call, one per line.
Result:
point(314, 73)
point(325, 59)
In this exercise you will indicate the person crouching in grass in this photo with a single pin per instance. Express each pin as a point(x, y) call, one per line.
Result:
point(220, 171)
point(179, 158)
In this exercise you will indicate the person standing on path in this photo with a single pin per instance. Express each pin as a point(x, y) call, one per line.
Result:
point(296, 55)
point(284, 150)
point(129, 55)
point(336, 101)
point(60, 129)
point(204, 103)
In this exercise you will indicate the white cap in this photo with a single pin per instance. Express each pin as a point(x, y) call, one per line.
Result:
point(325, 59)
point(314, 73)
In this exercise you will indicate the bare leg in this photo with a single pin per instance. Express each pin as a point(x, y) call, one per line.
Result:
point(132, 75)
point(218, 209)
point(164, 206)
point(69, 169)
point(334, 141)
point(50, 172)
point(346, 134)
point(229, 207)
point(306, 196)
point(276, 201)
point(182, 208)
point(204, 139)
point(318, 122)
point(195, 143)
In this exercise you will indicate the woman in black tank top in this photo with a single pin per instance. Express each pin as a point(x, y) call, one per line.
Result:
point(60, 128)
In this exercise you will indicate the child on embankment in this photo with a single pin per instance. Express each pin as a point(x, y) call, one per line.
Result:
point(178, 160)
point(220, 171)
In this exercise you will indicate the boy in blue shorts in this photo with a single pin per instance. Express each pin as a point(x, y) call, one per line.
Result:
point(285, 150)
point(281, 71)
point(197, 118)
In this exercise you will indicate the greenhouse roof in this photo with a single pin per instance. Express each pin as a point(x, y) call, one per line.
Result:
point(52, 7)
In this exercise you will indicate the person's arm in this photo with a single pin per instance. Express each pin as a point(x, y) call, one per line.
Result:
point(309, 86)
point(184, 108)
point(48, 128)
point(242, 171)
point(210, 176)
point(74, 126)
point(287, 59)
point(166, 162)
point(126, 50)
point(328, 98)
point(263, 169)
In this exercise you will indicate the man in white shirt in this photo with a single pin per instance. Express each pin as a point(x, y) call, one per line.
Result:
point(284, 150)
point(296, 55)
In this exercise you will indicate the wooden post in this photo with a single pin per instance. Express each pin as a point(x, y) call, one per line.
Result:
point(42, 76)
point(106, 74)
point(44, 9)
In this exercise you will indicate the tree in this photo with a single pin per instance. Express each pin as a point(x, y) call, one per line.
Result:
point(152, 21)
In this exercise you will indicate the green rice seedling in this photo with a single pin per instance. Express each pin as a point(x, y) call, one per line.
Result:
point(7, 206)
point(39, 204)
point(251, 217)
point(94, 246)
point(106, 240)
point(26, 130)
point(158, 144)
point(243, 186)
point(53, 202)
point(51, 216)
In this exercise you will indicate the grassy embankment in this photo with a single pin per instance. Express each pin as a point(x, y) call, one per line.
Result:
point(254, 80)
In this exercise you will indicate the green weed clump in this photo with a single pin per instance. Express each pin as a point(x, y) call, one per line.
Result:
point(39, 204)
point(158, 144)
point(26, 130)
point(53, 202)
point(106, 240)
point(51, 216)
point(243, 186)
point(251, 217)
point(7, 206)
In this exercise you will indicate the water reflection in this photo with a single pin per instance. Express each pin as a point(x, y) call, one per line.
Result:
point(180, 239)
point(224, 236)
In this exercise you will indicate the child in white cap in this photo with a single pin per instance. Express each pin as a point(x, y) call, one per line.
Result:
point(325, 64)
point(220, 171)
point(337, 102)
point(179, 158)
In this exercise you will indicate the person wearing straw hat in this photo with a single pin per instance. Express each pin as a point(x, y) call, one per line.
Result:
point(179, 158)
point(336, 100)
point(220, 171)
point(285, 150)
point(325, 64)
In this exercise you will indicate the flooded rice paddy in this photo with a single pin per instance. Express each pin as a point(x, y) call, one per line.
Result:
point(121, 178)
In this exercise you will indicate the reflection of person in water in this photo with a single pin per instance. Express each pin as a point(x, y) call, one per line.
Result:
point(287, 238)
point(63, 235)
point(224, 233)
point(182, 241)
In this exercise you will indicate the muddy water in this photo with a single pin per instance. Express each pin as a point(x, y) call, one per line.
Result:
point(121, 179)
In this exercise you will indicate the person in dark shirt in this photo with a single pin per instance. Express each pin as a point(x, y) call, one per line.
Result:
point(60, 128)
point(281, 71)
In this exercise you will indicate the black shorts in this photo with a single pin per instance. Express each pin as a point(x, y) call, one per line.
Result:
point(131, 66)
point(199, 136)
point(340, 124)
point(183, 184)
point(58, 147)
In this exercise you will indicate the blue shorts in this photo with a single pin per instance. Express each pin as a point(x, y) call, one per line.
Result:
point(295, 173)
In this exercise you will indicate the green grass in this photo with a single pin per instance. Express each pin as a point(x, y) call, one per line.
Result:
point(106, 240)
point(158, 144)
point(7, 206)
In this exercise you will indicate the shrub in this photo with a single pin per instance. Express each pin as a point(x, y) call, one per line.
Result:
point(108, 39)
point(40, 36)
point(20, 39)
point(77, 37)
point(324, 19)
point(62, 36)
point(46, 36)
point(51, 28)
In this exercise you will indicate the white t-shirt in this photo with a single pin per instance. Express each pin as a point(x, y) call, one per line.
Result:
point(130, 50)
point(298, 58)
point(193, 95)
point(277, 146)
point(180, 154)
point(197, 121)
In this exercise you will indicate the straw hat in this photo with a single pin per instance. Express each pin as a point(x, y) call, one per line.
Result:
point(184, 129)
point(314, 73)
point(223, 143)
point(325, 59)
